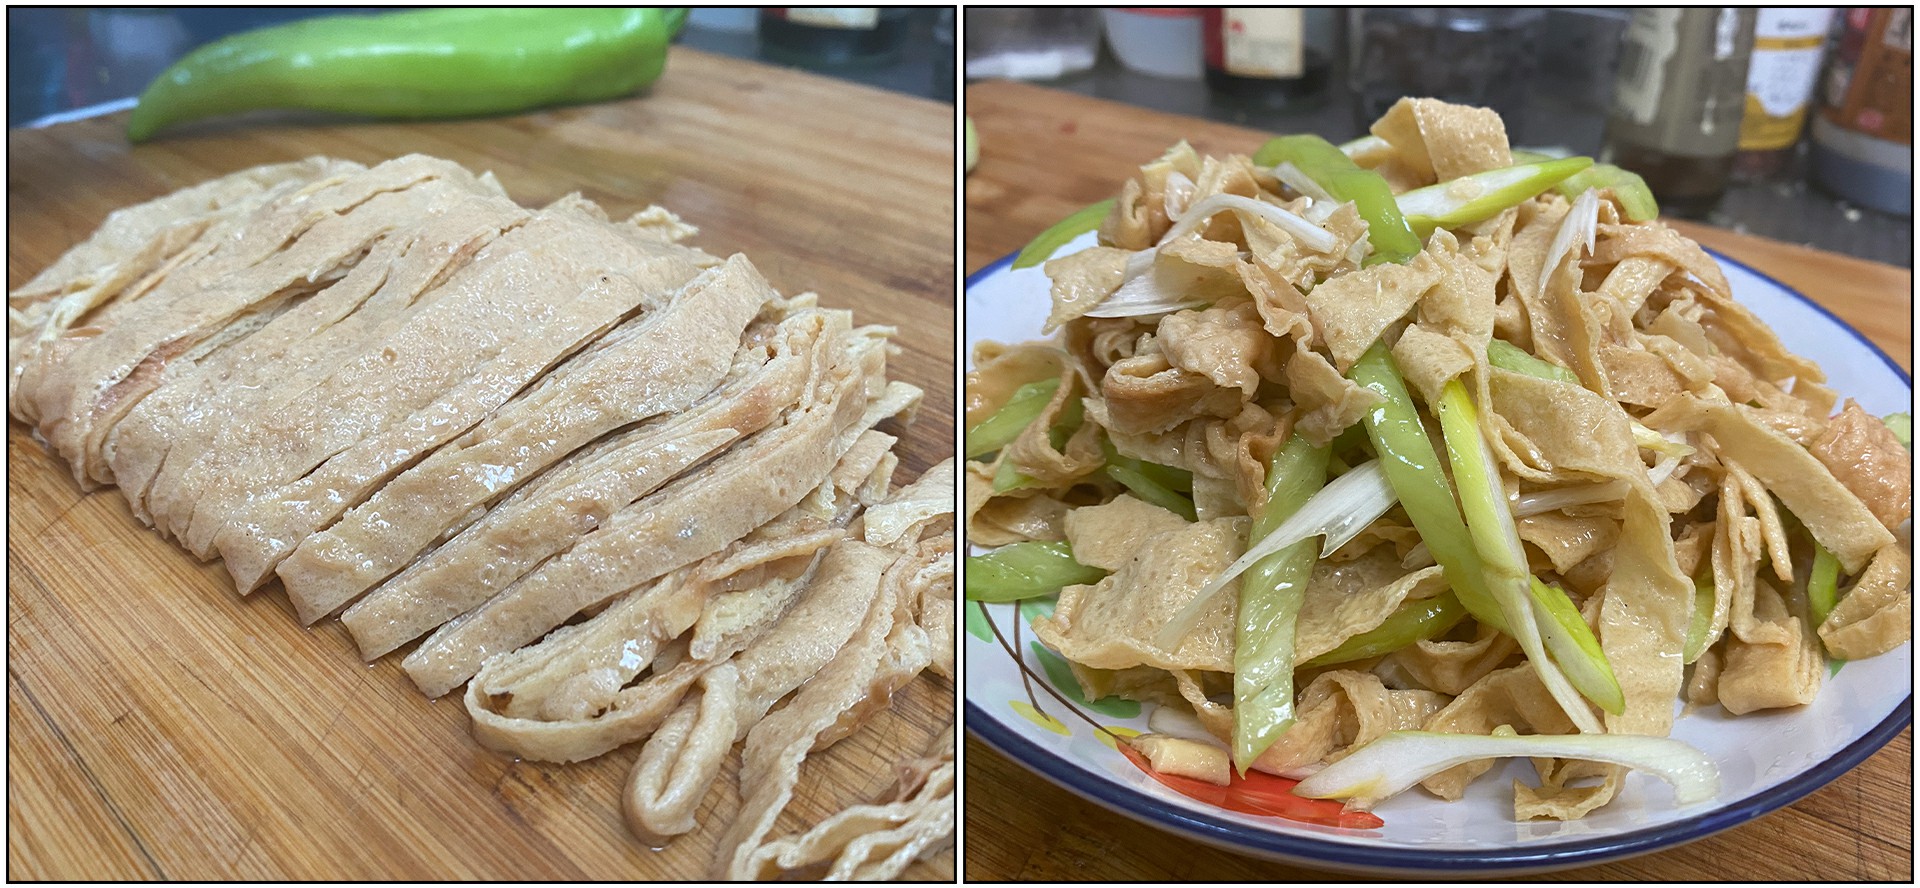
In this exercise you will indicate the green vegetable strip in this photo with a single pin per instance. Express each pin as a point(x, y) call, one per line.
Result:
point(1572, 644)
point(1042, 248)
point(1507, 356)
point(1823, 589)
point(1902, 426)
point(1413, 469)
point(1025, 570)
point(1698, 629)
point(429, 63)
point(1547, 622)
point(1151, 482)
point(1270, 596)
point(1482, 196)
point(1011, 419)
point(1414, 621)
point(1635, 198)
point(1176, 480)
point(1319, 160)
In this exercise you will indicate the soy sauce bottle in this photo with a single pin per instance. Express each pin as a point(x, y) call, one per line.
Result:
point(1279, 58)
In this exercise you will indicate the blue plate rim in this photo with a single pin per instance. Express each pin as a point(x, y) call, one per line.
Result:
point(1545, 855)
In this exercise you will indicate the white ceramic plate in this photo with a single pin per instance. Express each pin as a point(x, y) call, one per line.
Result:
point(1767, 760)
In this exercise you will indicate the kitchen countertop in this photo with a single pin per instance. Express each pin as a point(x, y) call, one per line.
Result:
point(1021, 826)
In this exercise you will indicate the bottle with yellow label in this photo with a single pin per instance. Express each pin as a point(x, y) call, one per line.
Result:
point(1788, 44)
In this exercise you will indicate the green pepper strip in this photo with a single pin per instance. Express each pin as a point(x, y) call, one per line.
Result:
point(1151, 482)
point(1270, 596)
point(1507, 356)
point(433, 63)
point(1042, 248)
point(1025, 570)
point(1636, 199)
point(1414, 621)
point(1823, 590)
point(1564, 635)
point(1012, 418)
point(1006, 477)
point(1482, 196)
point(1901, 425)
point(1372, 198)
point(1413, 470)
point(1698, 639)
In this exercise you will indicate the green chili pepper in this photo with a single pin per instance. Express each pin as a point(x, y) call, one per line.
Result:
point(1372, 198)
point(1635, 198)
point(424, 64)
point(1026, 570)
point(1631, 190)
point(1012, 418)
point(1507, 356)
point(1072, 414)
point(1823, 589)
point(1414, 621)
point(1414, 470)
point(1042, 248)
point(1902, 426)
point(1482, 196)
point(1151, 482)
point(1270, 596)
point(1698, 637)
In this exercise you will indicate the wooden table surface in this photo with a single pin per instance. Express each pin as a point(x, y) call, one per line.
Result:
point(1046, 153)
point(161, 727)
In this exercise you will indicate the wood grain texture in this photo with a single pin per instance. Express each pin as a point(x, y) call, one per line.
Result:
point(1045, 154)
point(162, 727)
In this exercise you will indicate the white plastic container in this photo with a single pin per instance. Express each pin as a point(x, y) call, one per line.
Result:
point(1161, 41)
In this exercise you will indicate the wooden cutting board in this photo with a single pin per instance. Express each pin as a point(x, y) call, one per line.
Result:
point(161, 727)
point(1046, 153)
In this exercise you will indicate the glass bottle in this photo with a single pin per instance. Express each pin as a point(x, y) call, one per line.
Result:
point(1787, 45)
point(833, 35)
point(1863, 134)
point(1270, 57)
point(1678, 100)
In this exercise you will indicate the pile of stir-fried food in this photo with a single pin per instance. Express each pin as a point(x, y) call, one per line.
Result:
point(1393, 458)
point(619, 487)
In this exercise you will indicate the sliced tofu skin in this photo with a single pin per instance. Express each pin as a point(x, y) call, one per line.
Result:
point(136, 246)
point(487, 310)
point(661, 363)
point(315, 336)
point(688, 520)
point(569, 500)
point(667, 358)
point(103, 375)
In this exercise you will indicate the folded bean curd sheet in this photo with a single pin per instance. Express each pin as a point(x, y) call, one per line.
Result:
point(1660, 450)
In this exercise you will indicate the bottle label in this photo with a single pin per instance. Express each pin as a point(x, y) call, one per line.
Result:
point(1652, 37)
point(850, 18)
point(1787, 46)
point(1265, 43)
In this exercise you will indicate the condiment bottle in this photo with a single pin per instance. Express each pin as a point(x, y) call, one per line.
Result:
point(1678, 100)
point(1787, 45)
point(833, 35)
point(1863, 134)
point(1270, 57)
